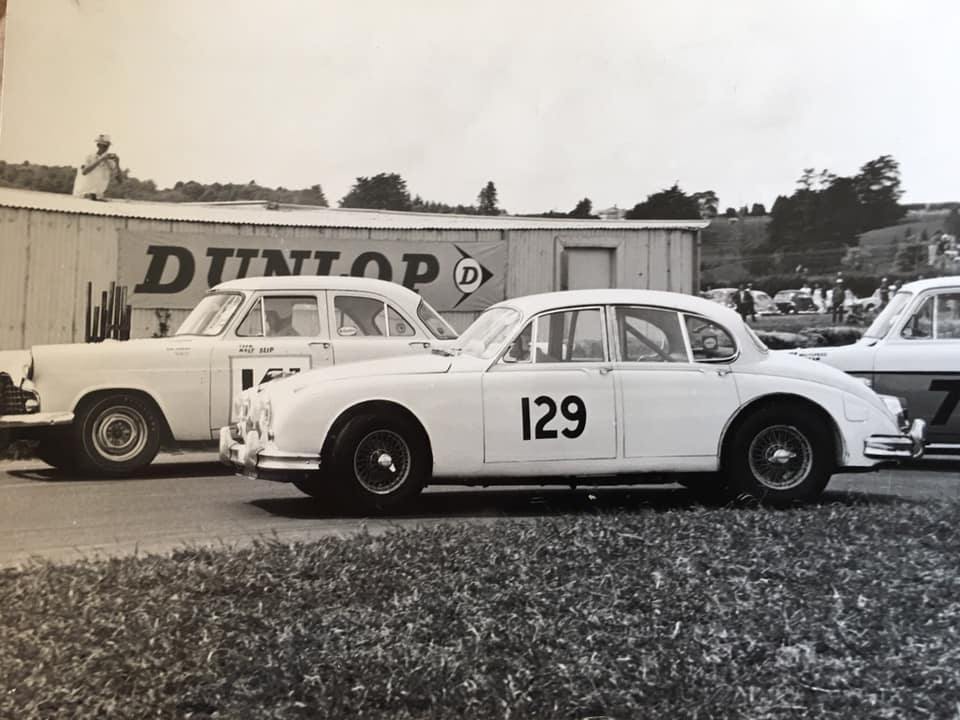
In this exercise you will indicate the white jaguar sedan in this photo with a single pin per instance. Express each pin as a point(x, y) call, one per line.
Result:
point(579, 387)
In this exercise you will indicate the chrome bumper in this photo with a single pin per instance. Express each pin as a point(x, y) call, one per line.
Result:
point(251, 459)
point(905, 446)
point(41, 419)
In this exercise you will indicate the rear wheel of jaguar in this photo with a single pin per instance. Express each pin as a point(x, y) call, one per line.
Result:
point(116, 434)
point(780, 455)
point(379, 462)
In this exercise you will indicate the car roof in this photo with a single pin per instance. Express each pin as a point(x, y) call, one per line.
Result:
point(533, 304)
point(317, 282)
point(932, 283)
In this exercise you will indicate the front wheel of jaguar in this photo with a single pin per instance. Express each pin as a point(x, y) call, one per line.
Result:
point(780, 456)
point(379, 463)
point(116, 434)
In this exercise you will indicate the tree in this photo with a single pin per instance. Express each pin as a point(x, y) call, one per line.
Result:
point(384, 191)
point(758, 210)
point(669, 204)
point(878, 191)
point(584, 209)
point(708, 203)
point(952, 224)
point(487, 200)
point(730, 212)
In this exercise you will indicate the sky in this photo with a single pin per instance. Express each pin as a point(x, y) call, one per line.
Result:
point(552, 100)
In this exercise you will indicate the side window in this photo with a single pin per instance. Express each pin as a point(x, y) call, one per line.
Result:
point(252, 325)
point(366, 316)
point(398, 326)
point(708, 341)
point(948, 316)
point(519, 350)
point(358, 316)
point(920, 324)
point(291, 316)
point(570, 336)
point(286, 316)
point(650, 335)
point(938, 318)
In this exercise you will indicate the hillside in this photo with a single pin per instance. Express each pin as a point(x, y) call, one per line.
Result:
point(727, 246)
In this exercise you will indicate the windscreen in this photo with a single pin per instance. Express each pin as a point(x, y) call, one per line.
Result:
point(211, 314)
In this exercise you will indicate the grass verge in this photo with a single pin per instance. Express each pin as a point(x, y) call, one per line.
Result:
point(839, 610)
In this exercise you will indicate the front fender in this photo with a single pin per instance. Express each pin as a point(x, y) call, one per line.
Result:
point(17, 365)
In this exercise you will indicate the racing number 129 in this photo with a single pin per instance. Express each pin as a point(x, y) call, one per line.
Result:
point(572, 408)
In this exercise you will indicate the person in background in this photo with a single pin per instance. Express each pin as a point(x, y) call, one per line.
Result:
point(818, 300)
point(97, 171)
point(740, 301)
point(836, 301)
point(884, 293)
point(750, 309)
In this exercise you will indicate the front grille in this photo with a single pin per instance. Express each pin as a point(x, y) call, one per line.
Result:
point(12, 398)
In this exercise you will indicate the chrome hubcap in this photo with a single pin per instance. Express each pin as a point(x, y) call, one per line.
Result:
point(381, 462)
point(120, 434)
point(780, 457)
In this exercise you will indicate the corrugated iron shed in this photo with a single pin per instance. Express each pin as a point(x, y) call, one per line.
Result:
point(263, 213)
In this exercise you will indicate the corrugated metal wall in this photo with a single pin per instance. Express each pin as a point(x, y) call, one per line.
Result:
point(47, 258)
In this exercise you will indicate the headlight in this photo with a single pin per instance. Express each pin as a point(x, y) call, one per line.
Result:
point(897, 407)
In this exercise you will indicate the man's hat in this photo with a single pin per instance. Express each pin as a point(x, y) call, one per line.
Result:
point(102, 139)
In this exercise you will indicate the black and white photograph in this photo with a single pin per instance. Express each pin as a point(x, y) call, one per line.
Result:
point(510, 360)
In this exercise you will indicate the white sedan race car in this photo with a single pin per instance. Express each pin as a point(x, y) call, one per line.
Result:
point(912, 350)
point(578, 387)
point(106, 408)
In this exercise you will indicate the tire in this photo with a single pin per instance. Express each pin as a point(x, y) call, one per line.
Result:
point(116, 434)
point(361, 479)
point(56, 449)
point(780, 456)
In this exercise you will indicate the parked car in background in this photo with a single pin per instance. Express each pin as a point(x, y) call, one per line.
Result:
point(912, 350)
point(577, 387)
point(790, 302)
point(722, 296)
point(107, 407)
point(866, 304)
point(762, 303)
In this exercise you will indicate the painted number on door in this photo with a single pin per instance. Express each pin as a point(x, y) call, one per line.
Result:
point(247, 377)
point(571, 407)
point(949, 404)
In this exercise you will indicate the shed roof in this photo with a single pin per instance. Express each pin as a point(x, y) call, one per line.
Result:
point(263, 213)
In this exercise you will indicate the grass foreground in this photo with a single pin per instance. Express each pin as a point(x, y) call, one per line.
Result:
point(847, 610)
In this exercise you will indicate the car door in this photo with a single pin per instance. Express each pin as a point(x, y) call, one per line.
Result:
point(552, 396)
point(920, 360)
point(675, 381)
point(366, 326)
point(280, 333)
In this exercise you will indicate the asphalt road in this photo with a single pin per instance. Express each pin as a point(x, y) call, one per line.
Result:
point(190, 500)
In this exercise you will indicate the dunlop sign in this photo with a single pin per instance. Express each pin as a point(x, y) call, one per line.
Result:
point(174, 270)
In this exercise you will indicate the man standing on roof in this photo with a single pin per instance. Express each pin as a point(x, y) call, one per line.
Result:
point(97, 170)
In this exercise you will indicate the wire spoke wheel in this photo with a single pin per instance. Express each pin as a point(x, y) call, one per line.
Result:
point(780, 457)
point(381, 462)
point(120, 433)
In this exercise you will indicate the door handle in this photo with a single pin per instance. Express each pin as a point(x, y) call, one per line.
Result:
point(325, 345)
point(722, 372)
point(420, 343)
point(605, 370)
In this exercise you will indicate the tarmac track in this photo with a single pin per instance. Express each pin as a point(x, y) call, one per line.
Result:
point(190, 500)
